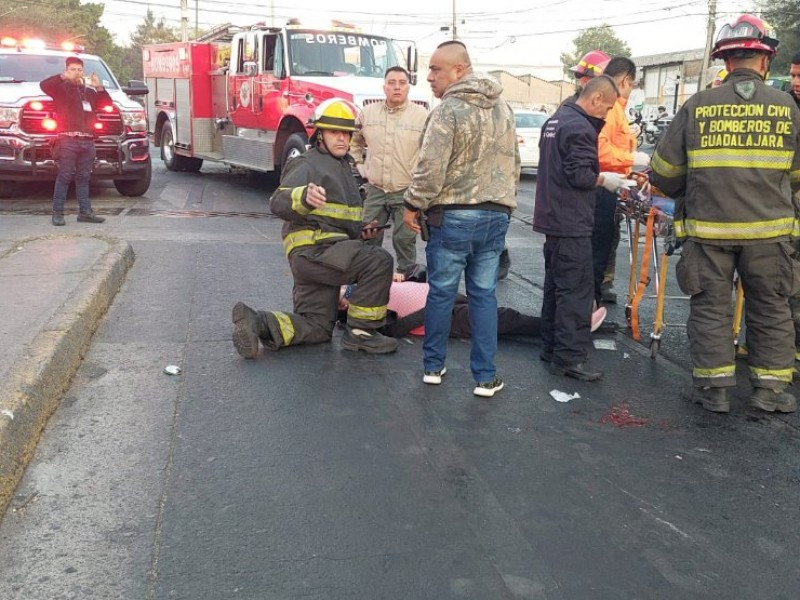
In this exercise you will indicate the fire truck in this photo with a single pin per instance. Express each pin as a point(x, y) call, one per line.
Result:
point(244, 97)
point(28, 121)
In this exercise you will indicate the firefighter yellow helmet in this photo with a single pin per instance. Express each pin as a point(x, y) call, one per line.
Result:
point(334, 114)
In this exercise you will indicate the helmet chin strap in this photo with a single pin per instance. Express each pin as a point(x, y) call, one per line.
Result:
point(321, 139)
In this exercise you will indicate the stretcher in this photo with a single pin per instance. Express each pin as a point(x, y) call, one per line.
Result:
point(641, 207)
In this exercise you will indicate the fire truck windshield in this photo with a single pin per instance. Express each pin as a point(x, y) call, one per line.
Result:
point(339, 53)
point(19, 67)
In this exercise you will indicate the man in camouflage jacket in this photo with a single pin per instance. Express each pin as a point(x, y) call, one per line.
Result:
point(465, 184)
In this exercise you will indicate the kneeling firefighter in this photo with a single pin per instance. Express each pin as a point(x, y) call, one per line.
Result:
point(323, 238)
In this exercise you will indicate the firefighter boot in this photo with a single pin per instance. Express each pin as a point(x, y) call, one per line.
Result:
point(248, 327)
point(770, 400)
point(370, 341)
point(713, 399)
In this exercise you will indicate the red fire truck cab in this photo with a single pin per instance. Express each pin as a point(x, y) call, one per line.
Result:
point(245, 97)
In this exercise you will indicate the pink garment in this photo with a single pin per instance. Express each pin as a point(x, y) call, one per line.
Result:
point(407, 297)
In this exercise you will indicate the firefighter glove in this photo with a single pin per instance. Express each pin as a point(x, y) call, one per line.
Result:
point(613, 181)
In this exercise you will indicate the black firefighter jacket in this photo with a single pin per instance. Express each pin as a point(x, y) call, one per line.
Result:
point(731, 159)
point(305, 226)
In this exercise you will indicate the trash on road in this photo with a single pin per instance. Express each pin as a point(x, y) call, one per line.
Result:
point(7, 413)
point(172, 370)
point(560, 396)
point(604, 344)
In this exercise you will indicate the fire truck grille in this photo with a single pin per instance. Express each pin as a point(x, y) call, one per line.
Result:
point(32, 121)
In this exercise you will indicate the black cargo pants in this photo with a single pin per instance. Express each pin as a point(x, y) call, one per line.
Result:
point(568, 296)
point(770, 276)
point(319, 272)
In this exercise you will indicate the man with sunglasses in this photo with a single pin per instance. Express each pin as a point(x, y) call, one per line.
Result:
point(731, 160)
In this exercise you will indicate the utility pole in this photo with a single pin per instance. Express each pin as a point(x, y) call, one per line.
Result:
point(712, 20)
point(455, 21)
point(196, 19)
point(184, 20)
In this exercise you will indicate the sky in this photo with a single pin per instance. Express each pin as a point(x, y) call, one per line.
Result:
point(520, 36)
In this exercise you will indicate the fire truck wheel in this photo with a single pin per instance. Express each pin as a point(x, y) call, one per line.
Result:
point(295, 146)
point(173, 161)
point(135, 187)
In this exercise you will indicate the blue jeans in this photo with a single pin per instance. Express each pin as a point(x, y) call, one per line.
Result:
point(76, 162)
point(469, 242)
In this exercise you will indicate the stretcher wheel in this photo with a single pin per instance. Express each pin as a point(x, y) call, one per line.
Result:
point(655, 346)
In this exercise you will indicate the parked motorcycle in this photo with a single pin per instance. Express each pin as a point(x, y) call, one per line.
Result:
point(651, 132)
point(637, 125)
point(654, 129)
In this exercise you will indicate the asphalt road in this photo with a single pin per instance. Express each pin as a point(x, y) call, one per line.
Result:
point(318, 473)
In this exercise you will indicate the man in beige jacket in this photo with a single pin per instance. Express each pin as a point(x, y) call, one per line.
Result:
point(385, 150)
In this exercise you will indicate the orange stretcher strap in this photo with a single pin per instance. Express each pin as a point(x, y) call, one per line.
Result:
point(644, 279)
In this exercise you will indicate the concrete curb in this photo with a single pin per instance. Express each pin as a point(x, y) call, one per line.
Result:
point(36, 383)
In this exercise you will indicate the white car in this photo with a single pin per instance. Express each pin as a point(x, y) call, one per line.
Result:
point(529, 128)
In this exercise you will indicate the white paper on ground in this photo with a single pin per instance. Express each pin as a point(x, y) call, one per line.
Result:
point(560, 396)
point(601, 344)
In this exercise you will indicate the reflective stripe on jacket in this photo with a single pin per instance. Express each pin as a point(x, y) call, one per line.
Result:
point(340, 217)
point(731, 159)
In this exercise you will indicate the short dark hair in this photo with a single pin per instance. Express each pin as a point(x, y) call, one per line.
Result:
point(396, 69)
point(603, 84)
point(796, 58)
point(620, 65)
point(73, 60)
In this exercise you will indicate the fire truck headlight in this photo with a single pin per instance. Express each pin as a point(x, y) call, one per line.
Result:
point(134, 120)
point(8, 117)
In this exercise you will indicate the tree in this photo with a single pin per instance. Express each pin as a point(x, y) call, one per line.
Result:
point(784, 16)
point(60, 20)
point(595, 38)
point(148, 32)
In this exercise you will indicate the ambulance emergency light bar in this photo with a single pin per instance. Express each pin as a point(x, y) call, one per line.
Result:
point(38, 44)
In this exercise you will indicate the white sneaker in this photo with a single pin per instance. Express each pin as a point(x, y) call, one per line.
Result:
point(489, 389)
point(434, 377)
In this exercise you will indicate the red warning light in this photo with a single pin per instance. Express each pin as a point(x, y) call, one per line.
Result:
point(36, 105)
point(49, 124)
